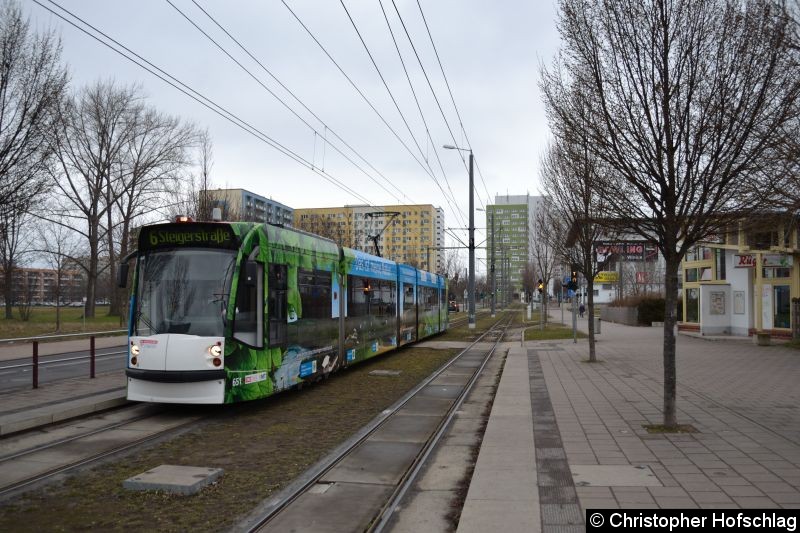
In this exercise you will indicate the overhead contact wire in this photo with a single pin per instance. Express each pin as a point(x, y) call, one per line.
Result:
point(198, 97)
point(391, 95)
point(293, 95)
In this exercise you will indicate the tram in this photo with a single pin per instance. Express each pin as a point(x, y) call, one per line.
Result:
point(223, 312)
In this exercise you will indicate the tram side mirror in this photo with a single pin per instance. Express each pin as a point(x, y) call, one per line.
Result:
point(122, 275)
point(251, 273)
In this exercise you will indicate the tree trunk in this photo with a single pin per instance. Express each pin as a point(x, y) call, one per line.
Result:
point(58, 294)
point(8, 291)
point(670, 321)
point(590, 311)
point(121, 294)
point(91, 277)
point(113, 293)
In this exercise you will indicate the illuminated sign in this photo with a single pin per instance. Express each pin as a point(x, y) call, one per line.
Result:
point(186, 235)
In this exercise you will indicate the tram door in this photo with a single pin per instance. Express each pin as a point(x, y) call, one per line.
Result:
point(277, 305)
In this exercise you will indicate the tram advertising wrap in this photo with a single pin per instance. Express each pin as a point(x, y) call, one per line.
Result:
point(227, 312)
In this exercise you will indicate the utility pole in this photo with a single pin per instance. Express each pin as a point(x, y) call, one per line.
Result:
point(471, 246)
point(471, 279)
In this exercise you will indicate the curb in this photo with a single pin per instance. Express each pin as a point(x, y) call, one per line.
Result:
point(42, 416)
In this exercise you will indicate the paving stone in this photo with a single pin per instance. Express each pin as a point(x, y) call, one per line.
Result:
point(742, 491)
point(676, 503)
point(755, 503)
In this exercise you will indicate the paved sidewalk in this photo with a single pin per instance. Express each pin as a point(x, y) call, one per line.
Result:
point(743, 400)
point(503, 487)
point(25, 409)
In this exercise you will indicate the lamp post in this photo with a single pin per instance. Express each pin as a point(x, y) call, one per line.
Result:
point(471, 282)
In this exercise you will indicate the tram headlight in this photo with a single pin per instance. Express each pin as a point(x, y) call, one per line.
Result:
point(215, 350)
point(134, 349)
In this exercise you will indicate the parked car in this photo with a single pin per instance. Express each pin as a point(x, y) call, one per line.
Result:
point(453, 306)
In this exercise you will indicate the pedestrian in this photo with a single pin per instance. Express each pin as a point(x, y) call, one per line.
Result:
point(582, 310)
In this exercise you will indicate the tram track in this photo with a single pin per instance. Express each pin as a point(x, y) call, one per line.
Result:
point(36, 458)
point(351, 479)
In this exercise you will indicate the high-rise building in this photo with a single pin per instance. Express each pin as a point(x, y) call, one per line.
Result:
point(243, 205)
point(511, 236)
point(412, 234)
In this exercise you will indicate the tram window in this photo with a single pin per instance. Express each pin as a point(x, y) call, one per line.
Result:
point(277, 305)
point(247, 318)
point(315, 292)
point(358, 294)
point(426, 297)
point(384, 299)
point(368, 296)
point(408, 295)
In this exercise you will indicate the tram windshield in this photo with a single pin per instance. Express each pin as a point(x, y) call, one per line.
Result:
point(183, 291)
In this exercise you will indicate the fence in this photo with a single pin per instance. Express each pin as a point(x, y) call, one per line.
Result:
point(35, 352)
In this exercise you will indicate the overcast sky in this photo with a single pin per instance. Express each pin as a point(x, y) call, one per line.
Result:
point(491, 53)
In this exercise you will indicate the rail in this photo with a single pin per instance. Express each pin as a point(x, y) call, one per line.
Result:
point(272, 507)
point(63, 335)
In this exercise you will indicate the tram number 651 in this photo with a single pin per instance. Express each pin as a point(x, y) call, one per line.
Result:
point(236, 382)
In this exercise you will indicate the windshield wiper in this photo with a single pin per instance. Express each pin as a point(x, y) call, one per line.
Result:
point(143, 318)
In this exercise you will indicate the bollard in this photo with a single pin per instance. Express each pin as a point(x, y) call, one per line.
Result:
point(35, 364)
point(91, 356)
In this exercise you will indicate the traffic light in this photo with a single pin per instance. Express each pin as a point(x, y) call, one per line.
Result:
point(573, 281)
point(540, 286)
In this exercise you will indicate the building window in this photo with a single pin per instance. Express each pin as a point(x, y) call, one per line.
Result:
point(719, 263)
point(692, 305)
point(782, 306)
point(776, 272)
point(763, 240)
point(691, 275)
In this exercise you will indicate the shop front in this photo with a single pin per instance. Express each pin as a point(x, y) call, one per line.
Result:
point(730, 292)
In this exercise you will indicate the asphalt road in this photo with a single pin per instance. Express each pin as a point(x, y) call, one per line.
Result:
point(17, 373)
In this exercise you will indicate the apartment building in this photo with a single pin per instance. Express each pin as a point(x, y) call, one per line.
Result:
point(243, 205)
point(37, 286)
point(411, 234)
point(511, 235)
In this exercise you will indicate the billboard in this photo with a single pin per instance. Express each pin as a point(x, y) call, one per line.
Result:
point(607, 277)
point(627, 251)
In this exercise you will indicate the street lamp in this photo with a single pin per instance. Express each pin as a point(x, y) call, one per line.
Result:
point(471, 283)
point(491, 261)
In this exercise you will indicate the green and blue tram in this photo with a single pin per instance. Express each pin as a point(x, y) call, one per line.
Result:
point(223, 312)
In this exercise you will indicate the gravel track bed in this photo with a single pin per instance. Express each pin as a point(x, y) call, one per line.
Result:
point(261, 445)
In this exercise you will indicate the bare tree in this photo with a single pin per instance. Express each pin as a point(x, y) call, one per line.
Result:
point(687, 100)
point(188, 193)
point(157, 149)
point(14, 244)
point(545, 256)
point(32, 81)
point(93, 133)
point(59, 247)
point(529, 279)
point(570, 173)
point(26, 290)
